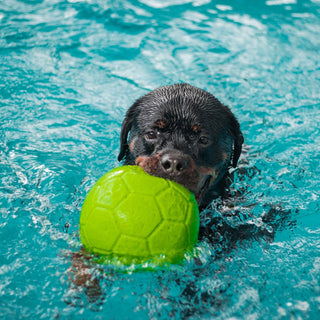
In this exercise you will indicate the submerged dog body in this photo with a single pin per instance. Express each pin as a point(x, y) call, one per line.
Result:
point(184, 134)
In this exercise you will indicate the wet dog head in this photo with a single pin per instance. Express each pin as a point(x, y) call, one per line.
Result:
point(184, 134)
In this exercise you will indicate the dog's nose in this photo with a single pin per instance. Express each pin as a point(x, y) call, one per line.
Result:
point(174, 164)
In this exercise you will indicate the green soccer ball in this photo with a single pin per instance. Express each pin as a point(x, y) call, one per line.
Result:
point(131, 215)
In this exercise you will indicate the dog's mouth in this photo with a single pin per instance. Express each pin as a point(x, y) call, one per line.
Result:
point(188, 177)
point(197, 180)
point(203, 188)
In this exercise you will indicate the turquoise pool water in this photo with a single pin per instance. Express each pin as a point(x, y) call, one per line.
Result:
point(70, 69)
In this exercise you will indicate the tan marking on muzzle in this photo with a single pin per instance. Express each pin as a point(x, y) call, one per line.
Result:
point(148, 164)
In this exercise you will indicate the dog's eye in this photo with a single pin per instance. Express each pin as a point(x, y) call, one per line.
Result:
point(204, 140)
point(151, 135)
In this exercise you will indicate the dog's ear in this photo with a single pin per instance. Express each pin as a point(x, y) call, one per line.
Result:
point(125, 129)
point(238, 141)
point(237, 147)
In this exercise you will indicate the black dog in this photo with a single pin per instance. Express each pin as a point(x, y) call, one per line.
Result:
point(184, 134)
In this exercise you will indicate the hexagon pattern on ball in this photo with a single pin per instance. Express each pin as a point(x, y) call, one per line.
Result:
point(131, 214)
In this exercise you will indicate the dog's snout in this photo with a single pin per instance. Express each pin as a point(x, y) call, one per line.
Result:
point(174, 164)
